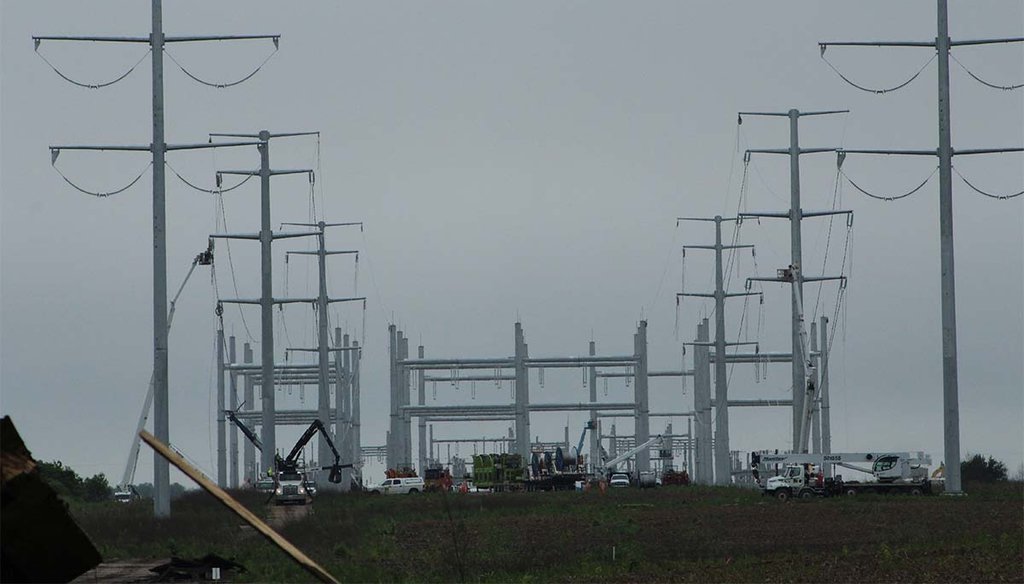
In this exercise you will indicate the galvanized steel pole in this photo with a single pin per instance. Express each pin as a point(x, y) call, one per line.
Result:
point(222, 465)
point(723, 472)
point(324, 454)
point(796, 259)
point(421, 399)
point(356, 440)
point(595, 439)
point(161, 398)
point(815, 409)
point(248, 450)
point(232, 430)
point(643, 427)
point(950, 389)
point(268, 433)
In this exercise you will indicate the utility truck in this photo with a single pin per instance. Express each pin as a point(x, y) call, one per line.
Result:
point(290, 485)
point(802, 474)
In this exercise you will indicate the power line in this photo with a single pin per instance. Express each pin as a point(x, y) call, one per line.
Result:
point(87, 85)
point(982, 81)
point(102, 194)
point(891, 197)
point(987, 194)
point(875, 90)
point(226, 84)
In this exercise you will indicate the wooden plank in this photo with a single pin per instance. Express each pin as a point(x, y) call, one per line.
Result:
point(195, 474)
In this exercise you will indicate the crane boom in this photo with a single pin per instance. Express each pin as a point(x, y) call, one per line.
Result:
point(629, 453)
point(245, 430)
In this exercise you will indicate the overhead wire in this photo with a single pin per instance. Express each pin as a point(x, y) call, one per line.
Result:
point(878, 91)
point(102, 194)
point(987, 194)
point(224, 84)
point(982, 81)
point(213, 191)
point(99, 85)
point(893, 197)
point(231, 266)
point(828, 242)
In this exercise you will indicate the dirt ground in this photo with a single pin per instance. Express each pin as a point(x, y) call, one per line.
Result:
point(670, 534)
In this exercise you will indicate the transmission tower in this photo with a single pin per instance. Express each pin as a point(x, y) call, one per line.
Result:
point(722, 470)
point(795, 215)
point(158, 148)
point(945, 153)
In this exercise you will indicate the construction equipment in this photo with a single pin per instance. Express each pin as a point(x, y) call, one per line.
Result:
point(246, 430)
point(498, 472)
point(893, 472)
point(124, 490)
point(292, 486)
point(608, 466)
point(579, 445)
point(335, 469)
point(289, 484)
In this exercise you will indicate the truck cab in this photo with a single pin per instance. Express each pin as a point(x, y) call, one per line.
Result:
point(291, 488)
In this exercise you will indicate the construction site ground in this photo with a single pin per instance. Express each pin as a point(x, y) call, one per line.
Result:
point(669, 534)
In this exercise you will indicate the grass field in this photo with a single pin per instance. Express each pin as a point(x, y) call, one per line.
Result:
point(671, 534)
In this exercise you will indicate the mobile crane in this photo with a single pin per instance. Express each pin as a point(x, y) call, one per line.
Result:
point(606, 466)
point(894, 472)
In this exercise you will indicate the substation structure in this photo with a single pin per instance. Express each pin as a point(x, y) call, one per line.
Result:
point(516, 370)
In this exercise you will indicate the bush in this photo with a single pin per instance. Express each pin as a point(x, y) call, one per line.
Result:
point(96, 489)
point(69, 485)
point(979, 469)
point(145, 490)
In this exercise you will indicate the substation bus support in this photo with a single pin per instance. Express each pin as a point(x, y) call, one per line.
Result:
point(402, 412)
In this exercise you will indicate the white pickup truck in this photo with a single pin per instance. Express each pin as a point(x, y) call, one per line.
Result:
point(402, 486)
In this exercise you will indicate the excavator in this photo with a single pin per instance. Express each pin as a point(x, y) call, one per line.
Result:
point(290, 487)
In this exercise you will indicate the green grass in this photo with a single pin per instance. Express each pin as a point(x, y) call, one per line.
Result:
point(677, 534)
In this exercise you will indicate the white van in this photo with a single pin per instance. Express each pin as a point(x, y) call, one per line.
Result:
point(410, 485)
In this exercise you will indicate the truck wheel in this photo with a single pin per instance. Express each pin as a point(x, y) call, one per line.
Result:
point(413, 491)
point(806, 494)
point(916, 491)
point(782, 494)
point(851, 492)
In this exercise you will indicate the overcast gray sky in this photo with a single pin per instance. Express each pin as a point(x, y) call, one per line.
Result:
point(519, 159)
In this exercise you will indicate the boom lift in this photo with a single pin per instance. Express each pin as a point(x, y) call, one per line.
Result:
point(125, 490)
point(579, 445)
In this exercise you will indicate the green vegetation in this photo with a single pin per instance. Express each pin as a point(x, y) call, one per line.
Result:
point(977, 469)
point(66, 482)
point(677, 534)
